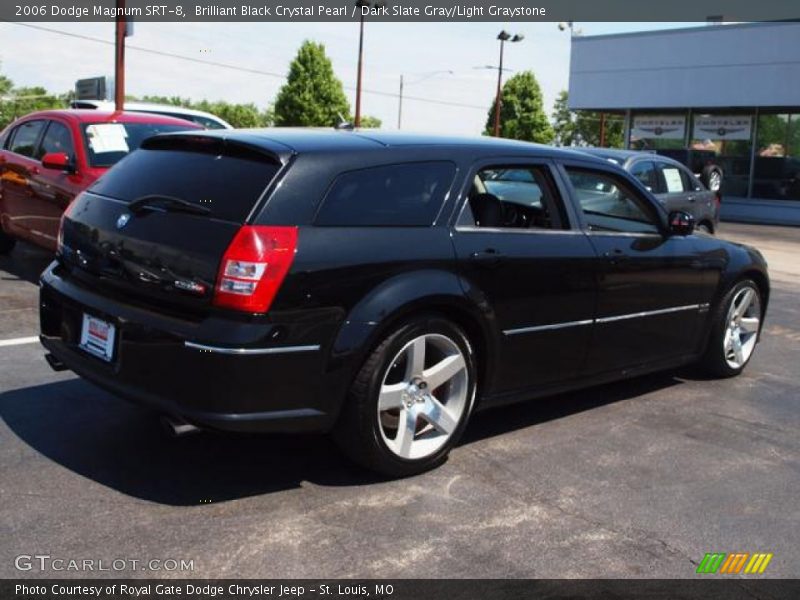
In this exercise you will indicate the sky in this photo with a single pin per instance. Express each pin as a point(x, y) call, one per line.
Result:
point(425, 53)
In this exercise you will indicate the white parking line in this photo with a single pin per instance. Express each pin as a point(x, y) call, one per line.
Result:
point(19, 341)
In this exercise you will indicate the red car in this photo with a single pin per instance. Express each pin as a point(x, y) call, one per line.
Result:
point(48, 157)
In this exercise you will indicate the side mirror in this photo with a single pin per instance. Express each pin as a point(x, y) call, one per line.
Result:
point(681, 223)
point(57, 160)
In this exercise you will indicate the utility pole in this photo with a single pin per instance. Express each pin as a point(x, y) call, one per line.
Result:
point(119, 62)
point(400, 105)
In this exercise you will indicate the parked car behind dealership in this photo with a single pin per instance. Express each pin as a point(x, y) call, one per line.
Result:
point(204, 119)
point(671, 182)
point(378, 286)
point(48, 157)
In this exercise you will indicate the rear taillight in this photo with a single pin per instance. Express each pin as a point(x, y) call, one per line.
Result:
point(254, 266)
point(67, 212)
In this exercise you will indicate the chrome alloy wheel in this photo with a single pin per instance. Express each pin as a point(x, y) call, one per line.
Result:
point(714, 181)
point(744, 317)
point(423, 396)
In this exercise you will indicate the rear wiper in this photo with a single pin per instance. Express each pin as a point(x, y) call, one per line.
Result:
point(169, 203)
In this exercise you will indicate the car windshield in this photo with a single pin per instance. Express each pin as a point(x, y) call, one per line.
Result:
point(108, 143)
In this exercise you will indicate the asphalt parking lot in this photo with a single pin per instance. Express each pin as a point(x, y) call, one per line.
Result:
point(634, 479)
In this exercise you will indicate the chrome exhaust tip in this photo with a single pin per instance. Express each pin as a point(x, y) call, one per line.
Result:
point(176, 428)
point(54, 363)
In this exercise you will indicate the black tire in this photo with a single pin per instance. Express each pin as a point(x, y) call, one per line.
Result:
point(714, 361)
point(358, 432)
point(705, 228)
point(7, 242)
point(712, 177)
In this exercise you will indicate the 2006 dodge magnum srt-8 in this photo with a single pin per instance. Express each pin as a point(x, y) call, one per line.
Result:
point(381, 286)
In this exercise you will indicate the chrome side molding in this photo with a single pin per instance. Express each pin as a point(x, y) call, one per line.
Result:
point(646, 313)
point(251, 351)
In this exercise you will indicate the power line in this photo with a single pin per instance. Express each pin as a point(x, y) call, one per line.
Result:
point(235, 67)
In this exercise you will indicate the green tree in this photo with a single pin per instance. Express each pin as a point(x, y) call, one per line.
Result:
point(588, 126)
point(522, 115)
point(582, 128)
point(312, 95)
point(238, 115)
point(368, 122)
point(563, 121)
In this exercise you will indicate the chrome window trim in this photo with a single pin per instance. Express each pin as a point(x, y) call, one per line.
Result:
point(526, 230)
point(251, 351)
point(601, 320)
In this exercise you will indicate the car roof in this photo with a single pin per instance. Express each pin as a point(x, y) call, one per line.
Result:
point(618, 155)
point(156, 109)
point(105, 116)
point(302, 140)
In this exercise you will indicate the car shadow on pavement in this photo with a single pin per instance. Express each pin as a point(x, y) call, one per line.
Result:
point(498, 421)
point(26, 262)
point(123, 447)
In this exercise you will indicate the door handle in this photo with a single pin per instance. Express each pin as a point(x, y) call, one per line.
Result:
point(691, 198)
point(615, 256)
point(489, 257)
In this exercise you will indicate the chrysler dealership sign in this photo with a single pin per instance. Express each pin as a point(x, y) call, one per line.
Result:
point(668, 127)
point(722, 127)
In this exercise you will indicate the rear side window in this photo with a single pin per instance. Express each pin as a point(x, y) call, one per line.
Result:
point(401, 195)
point(25, 138)
point(226, 178)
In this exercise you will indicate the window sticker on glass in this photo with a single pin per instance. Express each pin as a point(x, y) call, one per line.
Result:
point(107, 137)
point(673, 179)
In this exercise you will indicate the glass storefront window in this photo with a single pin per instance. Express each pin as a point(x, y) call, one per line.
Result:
point(776, 171)
point(723, 140)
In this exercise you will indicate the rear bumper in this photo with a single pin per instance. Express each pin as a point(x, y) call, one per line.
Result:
point(245, 378)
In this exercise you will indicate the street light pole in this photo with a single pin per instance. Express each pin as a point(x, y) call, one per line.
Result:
point(504, 37)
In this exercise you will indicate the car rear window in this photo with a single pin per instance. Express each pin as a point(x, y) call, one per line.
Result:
point(108, 143)
point(226, 178)
point(399, 195)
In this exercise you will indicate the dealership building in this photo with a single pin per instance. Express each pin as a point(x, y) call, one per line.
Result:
point(728, 93)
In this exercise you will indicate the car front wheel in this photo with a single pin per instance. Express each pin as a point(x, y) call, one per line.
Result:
point(411, 399)
point(735, 329)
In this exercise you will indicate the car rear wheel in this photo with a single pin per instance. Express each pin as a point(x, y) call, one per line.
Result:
point(411, 400)
point(712, 177)
point(7, 242)
point(704, 227)
point(735, 329)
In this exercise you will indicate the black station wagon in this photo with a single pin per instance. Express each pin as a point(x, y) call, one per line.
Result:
point(379, 286)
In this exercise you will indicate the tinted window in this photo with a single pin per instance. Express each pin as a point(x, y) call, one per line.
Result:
point(225, 178)
point(392, 196)
point(107, 143)
point(673, 180)
point(645, 172)
point(25, 136)
point(690, 182)
point(610, 205)
point(57, 138)
point(516, 197)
